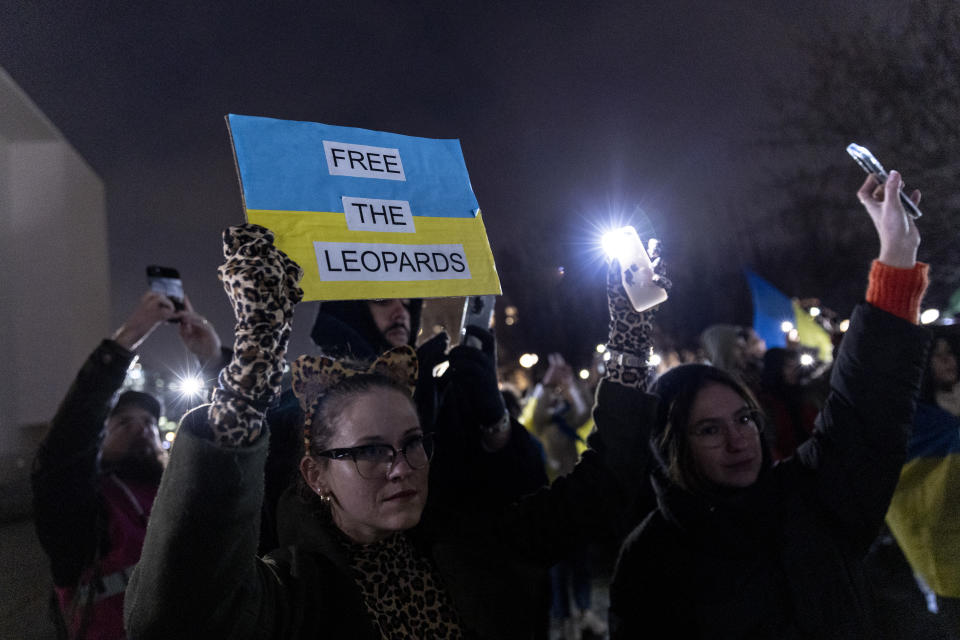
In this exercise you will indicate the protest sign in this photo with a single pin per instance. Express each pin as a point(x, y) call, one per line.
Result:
point(367, 214)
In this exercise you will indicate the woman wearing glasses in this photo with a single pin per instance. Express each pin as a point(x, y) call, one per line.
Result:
point(364, 554)
point(738, 548)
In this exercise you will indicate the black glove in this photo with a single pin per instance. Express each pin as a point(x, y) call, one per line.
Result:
point(473, 376)
point(433, 352)
point(426, 396)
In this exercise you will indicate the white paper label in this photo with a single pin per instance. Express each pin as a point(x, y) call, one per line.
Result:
point(362, 161)
point(371, 214)
point(370, 261)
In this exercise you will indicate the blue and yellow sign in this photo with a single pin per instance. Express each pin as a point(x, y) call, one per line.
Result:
point(367, 214)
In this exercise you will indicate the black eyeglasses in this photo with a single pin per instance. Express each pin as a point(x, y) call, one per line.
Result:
point(376, 460)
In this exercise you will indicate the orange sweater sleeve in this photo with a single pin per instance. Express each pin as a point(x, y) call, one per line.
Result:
point(898, 291)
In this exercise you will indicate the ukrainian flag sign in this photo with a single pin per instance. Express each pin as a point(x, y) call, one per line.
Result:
point(367, 214)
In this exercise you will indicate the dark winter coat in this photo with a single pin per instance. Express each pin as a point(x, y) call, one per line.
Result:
point(199, 577)
point(783, 558)
point(90, 523)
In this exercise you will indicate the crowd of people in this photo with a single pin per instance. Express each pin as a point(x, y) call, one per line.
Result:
point(357, 492)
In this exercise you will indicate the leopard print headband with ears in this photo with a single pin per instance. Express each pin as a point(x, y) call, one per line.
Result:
point(313, 376)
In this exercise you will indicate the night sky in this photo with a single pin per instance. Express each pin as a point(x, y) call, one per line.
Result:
point(569, 115)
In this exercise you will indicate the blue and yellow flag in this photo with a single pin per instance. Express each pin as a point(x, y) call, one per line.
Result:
point(771, 308)
point(924, 514)
point(367, 214)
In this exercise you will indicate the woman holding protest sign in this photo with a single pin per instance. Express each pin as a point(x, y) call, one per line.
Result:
point(738, 548)
point(364, 554)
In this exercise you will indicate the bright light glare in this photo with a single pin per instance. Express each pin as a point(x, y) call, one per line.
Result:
point(601, 348)
point(786, 326)
point(169, 436)
point(189, 387)
point(844, 325)
point(606, 356)
point(929, 316)
point(527, 360)
point(654, 360)
point(615, 243)
point(814, 311)
point(584, 374)
point(794, 335)
point(806, 360)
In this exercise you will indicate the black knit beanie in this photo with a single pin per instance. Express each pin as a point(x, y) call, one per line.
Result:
point(140, 399)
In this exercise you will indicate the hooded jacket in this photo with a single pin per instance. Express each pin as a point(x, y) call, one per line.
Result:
point(462, 471)
point(783, 557)
point(346, 328)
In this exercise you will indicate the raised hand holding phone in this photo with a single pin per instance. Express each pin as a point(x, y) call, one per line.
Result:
point(899, 236)
point(152, 309)
point(166, 280)
point(477, 312)
point(869, 163)
point(197, 333)
point(638, 276)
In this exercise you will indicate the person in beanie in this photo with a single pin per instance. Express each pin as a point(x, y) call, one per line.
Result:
point(740, 548)
point(97, 471)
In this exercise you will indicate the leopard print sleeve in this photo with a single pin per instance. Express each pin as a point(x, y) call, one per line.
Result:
point(262, 284)
point(628, 340)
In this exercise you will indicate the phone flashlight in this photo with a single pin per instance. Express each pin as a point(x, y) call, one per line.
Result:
point(637, 274)
point(869, 163)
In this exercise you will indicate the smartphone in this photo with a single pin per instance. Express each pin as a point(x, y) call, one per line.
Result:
point(167, 281)
point(869, 163)
point(478, 312)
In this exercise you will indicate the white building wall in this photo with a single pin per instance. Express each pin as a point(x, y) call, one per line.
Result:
point(54, 272)
point(54, 308)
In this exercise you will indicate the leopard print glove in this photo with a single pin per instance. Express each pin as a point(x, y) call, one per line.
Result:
point(263, 286)
point(629, 331)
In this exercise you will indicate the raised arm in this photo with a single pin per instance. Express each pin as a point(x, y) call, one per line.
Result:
point(599, 500)
point(200, 337)
point(859, 444)
point(66, 498)
point(199, 559)
point(627, 372)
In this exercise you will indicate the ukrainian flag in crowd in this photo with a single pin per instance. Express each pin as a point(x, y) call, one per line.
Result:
point(924, 514)
point(771, 308)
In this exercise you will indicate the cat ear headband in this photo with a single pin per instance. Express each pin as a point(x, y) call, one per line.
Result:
point(313, 376)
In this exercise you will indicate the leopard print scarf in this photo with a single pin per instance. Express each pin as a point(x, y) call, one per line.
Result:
point(401, 592)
